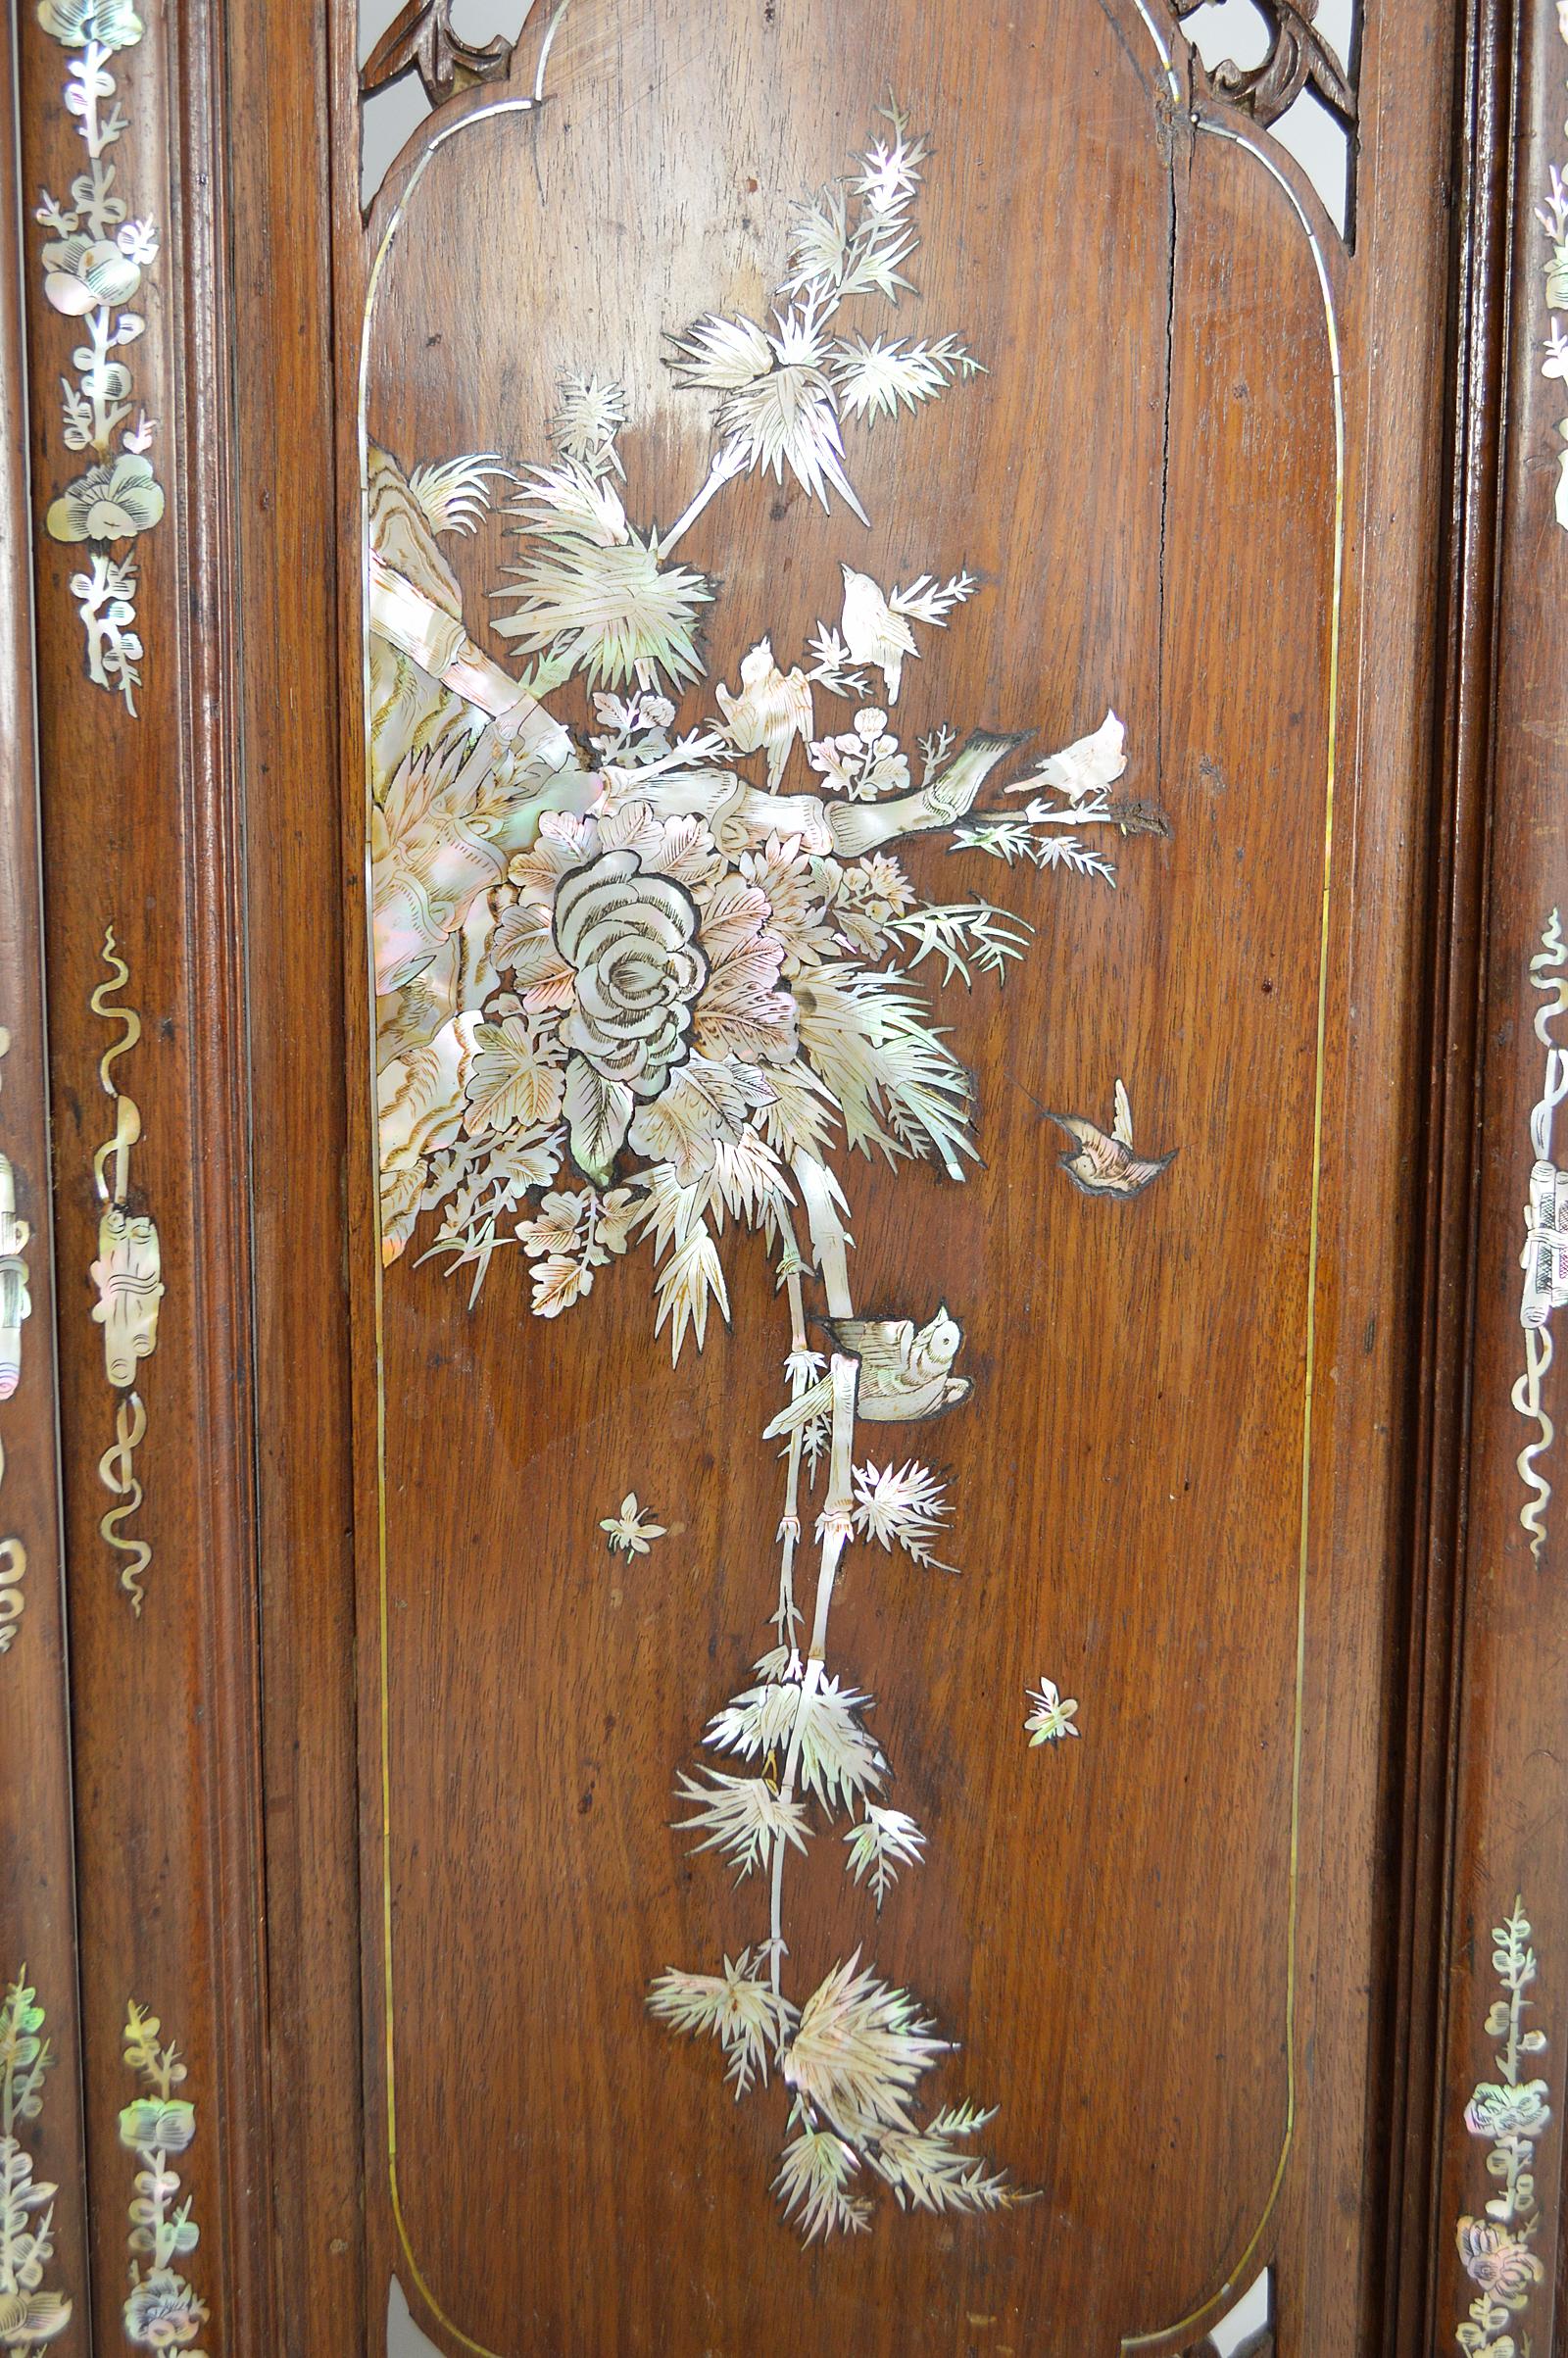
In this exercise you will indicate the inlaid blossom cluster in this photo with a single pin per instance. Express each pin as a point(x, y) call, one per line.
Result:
point(1510, 2114)
point(31, 2311)
point(162, 2310)
point(678, 1002)
point(95, 260)
point(639, 987)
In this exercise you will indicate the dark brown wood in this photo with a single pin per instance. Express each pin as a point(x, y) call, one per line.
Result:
point(37, 1867)
point(297, 883)
point(1508, 1837)
point(141, 831)
point(1189, 644)
point(1431, 1638)
point(377, 1790)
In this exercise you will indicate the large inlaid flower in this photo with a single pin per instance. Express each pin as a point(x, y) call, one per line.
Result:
point(110, 24)
point(1499, 2262)
point(27, 2319)
point(163, 2313)
point(81, 273)
point(113, 501)
point(630, 940)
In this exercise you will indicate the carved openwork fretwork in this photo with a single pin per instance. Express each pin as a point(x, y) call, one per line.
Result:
point(1275, 63)
point(1298, 59)
point(422, 39)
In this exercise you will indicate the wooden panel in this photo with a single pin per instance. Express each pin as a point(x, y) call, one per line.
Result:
point(1152, 483)
point(295, 882)
point(141, 844)
point(1240, 1464)
point(38, 1911)
point(1498, 2209)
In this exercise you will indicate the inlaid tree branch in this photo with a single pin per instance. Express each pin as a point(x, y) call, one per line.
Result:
point(636, 992)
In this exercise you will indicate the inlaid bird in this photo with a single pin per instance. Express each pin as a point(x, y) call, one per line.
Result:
point(770, 710)
point(874, 632)
point(905, 1376)
point(1086, 769)
point(1098, 1165)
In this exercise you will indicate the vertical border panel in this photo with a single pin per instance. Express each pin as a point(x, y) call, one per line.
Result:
point(143, 833)
point(1499, 2010)
point(38, 1881)
point(287, 545)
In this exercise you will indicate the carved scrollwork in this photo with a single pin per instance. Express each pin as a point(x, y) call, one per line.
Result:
point(1545, 1258)
point(422, 39)
point(128, 1277)
point(1299, 59)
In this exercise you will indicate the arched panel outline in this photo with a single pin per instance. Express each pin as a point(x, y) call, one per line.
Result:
point(1203, 119)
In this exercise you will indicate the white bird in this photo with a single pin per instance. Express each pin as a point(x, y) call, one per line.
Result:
point(770, 710)
point(874, 632)
point(1089, 767)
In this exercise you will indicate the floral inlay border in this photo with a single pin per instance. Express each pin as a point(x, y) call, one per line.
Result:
point(1554, 219)
point(162, 2310)
point(1510, 2114)
point(30, 2314)
point(16, 1305)
point(93, 264)
point(1545, 1258)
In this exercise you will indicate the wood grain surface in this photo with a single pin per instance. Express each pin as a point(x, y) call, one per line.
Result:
point(1508, 1788)
point(142, 832)
point(1147, 481)
point(372, 1805)
point(37, 1864)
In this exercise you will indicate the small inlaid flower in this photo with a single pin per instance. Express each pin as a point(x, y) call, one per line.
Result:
point(1494, 2112)
point(138, 239)
point(1052, 1717)
point(157, 2126)
point(630, 1532)
point(107, 24)
point(82, 272)
point(113, 501)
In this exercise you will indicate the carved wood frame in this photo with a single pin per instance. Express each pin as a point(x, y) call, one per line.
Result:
point(258, 1871)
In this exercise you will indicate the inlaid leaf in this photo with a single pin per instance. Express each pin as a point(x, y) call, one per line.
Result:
point(599, 1114)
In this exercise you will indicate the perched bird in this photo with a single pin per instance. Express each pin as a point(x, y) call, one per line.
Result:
point(1087, 767)
point(1098, 1165)
point(905, 1376)
point(873, 631)
point(771, 710)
